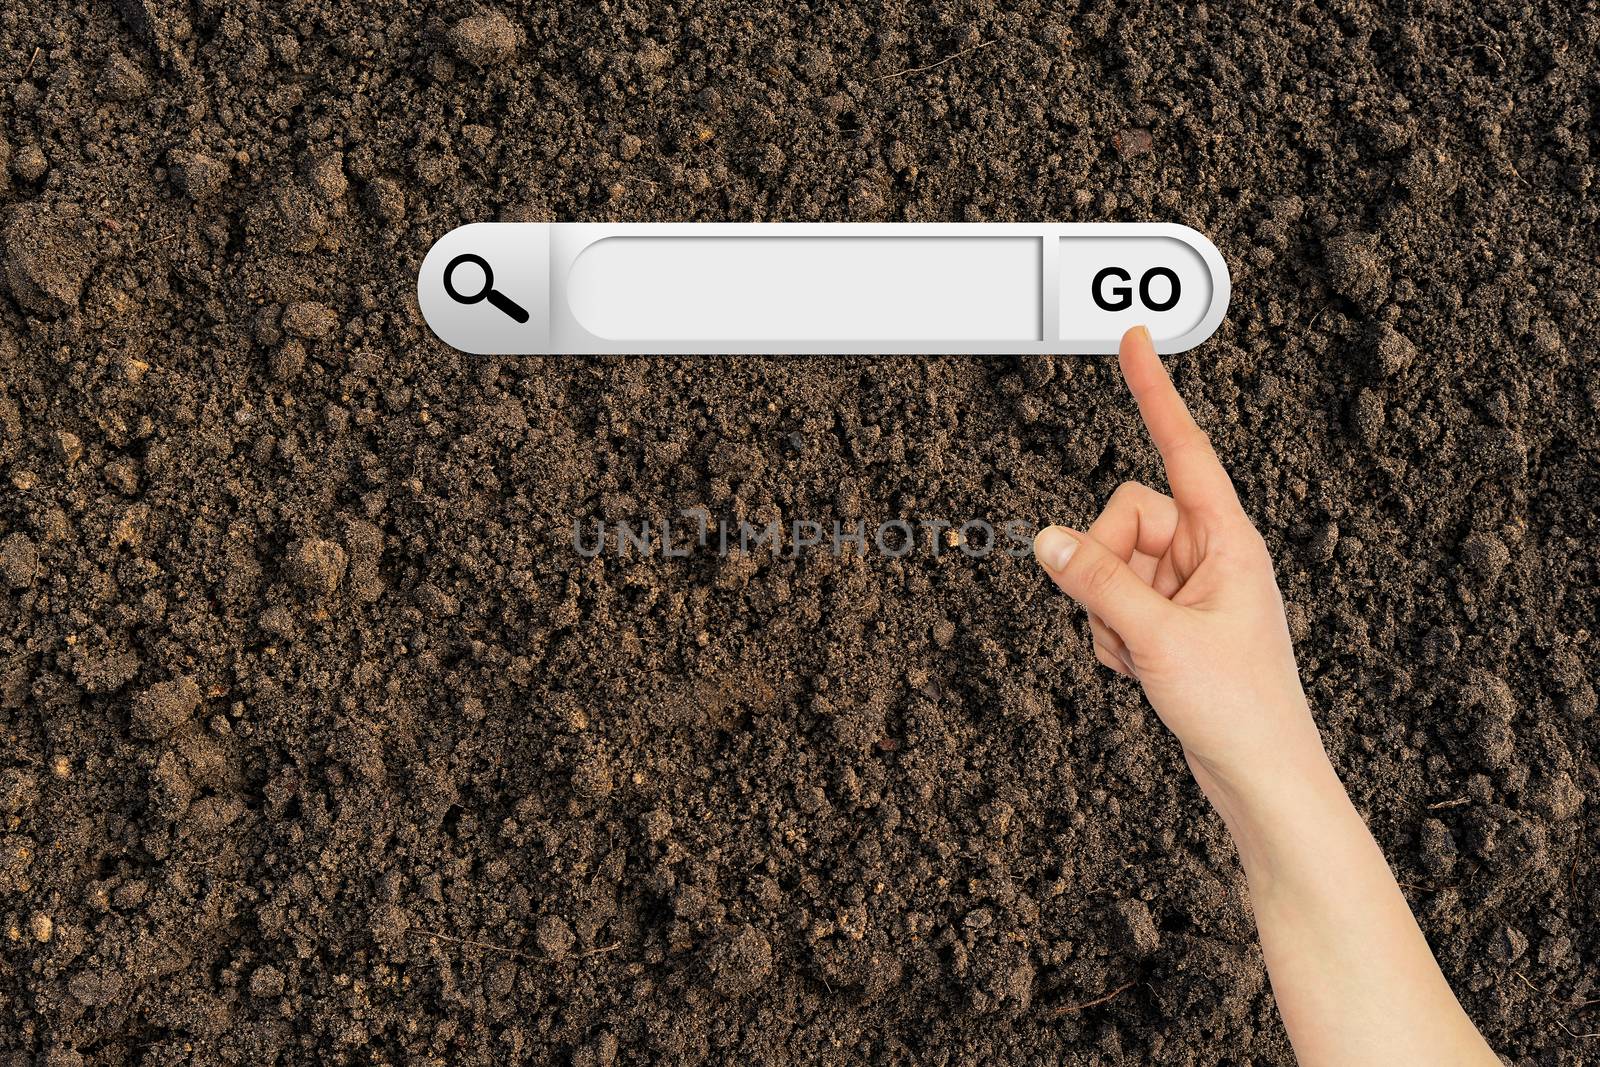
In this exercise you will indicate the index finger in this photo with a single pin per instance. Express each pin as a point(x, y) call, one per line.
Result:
point(1193, 470)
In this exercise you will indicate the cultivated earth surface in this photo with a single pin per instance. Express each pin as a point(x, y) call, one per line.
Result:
point(320, 743)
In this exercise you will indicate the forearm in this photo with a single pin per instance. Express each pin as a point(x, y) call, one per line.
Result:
point(1181, 595)
point(1354, 978)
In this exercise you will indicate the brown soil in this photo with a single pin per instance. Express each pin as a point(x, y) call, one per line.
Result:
point(320, 743)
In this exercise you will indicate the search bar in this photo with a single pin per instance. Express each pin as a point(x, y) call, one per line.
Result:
point(781, 288)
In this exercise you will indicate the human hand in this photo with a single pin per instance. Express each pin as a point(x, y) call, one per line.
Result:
point(1181, 596)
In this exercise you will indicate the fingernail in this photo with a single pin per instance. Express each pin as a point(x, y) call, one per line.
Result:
point(1145, 331)
point(1053, 546)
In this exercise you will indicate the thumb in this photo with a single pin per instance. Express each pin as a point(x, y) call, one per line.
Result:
point(1098, 579)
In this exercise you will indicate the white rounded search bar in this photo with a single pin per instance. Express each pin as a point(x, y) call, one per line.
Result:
point(780, 288)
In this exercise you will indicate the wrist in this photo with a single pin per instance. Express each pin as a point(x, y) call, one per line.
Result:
point(1277, 800)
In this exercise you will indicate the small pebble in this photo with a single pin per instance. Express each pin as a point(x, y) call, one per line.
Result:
point(652, 58)
point(1508, 945)
point(123, 81)
point(47, 258)
point(385, 200)
point(69, 448)
point(1358, 270)
point(326, 175)
point(1394, 350)
point(554, 936)
point(483, 40)
point(317, 565)
point(1138, 928)
point(29, 164)
point(1133, 142)
point(164, 707)
point(195, 175)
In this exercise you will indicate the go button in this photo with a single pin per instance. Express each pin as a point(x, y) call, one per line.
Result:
point(781, 288)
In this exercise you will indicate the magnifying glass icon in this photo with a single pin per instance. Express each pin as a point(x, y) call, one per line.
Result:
point(488, 292)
